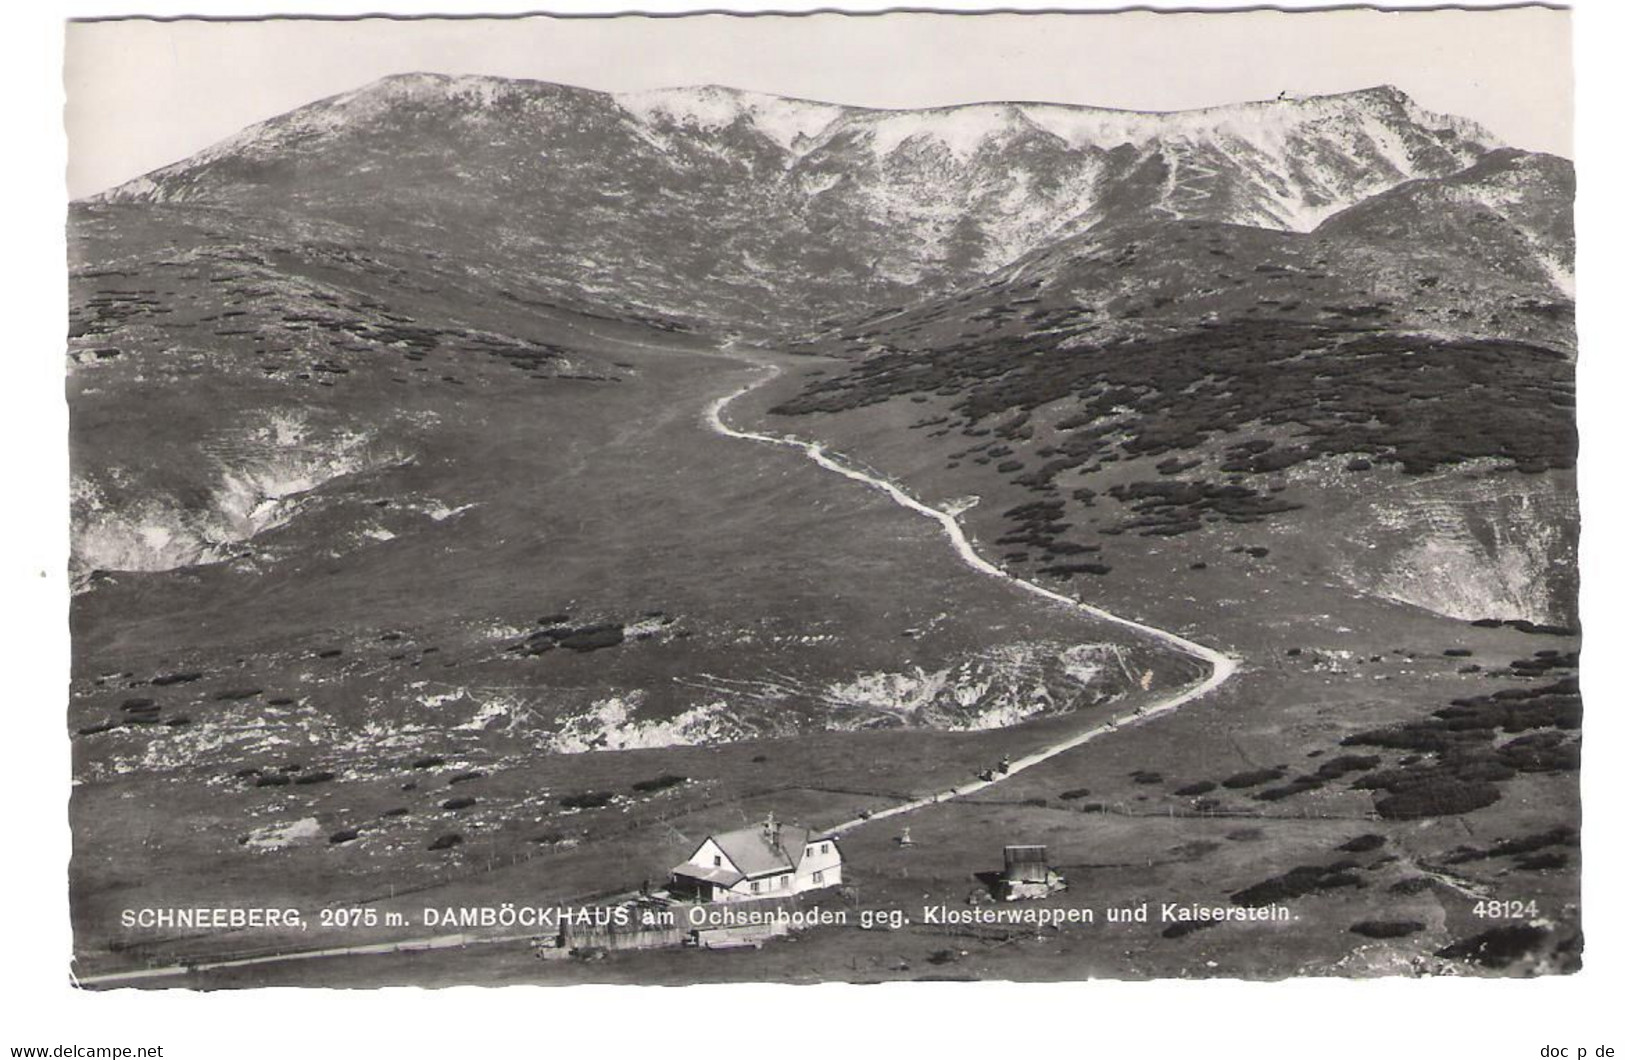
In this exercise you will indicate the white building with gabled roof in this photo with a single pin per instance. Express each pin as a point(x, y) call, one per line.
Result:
point(768, 860)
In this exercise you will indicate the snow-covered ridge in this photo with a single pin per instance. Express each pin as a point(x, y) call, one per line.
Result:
point(1285, 164)
point(925, 196)
point(790, 123)
point(799, 125)
point(1263, 118)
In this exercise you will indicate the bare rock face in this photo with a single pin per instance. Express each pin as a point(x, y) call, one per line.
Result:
point(1472, 548)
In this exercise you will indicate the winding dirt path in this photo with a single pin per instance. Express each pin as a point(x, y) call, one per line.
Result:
point(1221, 665)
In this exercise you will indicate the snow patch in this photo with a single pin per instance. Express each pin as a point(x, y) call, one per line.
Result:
point(278, 836)
point(489, 711)
point(611, 724)
point(265, 476)
point(993, 689)
point(792, 124)
point(440, 512)
point(962, 130)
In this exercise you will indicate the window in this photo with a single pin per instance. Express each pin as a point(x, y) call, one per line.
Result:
point(823, 848)
point(716, 861)
point(755, 886)
point(784, 881)
point(818, 877)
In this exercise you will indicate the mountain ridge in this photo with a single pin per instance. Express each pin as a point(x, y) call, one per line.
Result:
point(688, 101)
point(747, 210)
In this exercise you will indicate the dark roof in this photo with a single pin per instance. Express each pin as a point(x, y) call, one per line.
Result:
point(754, 855)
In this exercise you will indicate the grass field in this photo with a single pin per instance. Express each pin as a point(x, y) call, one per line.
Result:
point(437, 604)
point(409, 656)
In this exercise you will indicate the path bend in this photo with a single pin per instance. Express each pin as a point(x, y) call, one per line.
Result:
point(1221, 666)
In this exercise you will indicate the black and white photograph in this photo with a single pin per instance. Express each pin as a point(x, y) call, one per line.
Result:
point(526, 531)
point(833, 497)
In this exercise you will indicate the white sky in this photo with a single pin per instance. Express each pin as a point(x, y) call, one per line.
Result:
point(142, 94)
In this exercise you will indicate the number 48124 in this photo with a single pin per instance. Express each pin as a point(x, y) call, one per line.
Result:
point(1509, 910)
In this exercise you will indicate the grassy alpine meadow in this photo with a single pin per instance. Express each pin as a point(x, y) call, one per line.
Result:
point(514, 600)
point(486, 490)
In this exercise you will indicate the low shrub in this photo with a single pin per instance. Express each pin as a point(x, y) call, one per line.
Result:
point(660, 783)
point(1560, 835)
point(1387, 929)
point(1438, 798)
point(587, 800)
point(1295, 883)
point(1253, 777)
point(594, 638)
point(1186, 927)
point(446, 842)
point(1295, 786)
point(1545, 751)
point(1065, 571)
point(1333, 768)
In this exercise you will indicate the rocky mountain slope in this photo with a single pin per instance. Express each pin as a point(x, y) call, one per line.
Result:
point(745, 210)
point(1510, 213)
point(403, 548)
point(1172, 280)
